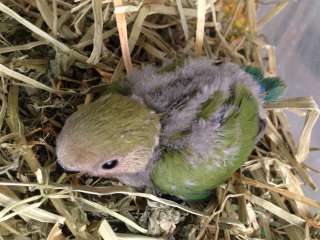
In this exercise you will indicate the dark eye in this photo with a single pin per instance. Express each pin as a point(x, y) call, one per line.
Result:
point(110, 164)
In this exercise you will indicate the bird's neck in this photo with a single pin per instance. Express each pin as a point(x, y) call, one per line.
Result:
point(142, 178)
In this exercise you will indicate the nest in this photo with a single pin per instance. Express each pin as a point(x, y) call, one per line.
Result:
point(56, 55)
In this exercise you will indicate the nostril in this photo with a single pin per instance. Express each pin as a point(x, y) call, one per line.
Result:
point(110, 164)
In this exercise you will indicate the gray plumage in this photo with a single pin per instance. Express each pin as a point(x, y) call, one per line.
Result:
point(180, 95)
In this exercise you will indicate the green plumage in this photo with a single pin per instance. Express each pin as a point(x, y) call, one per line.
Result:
point(176, 175)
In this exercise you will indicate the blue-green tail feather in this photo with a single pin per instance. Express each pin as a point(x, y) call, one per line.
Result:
point(272, 87)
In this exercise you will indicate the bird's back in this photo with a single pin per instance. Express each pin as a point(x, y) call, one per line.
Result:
point(210, 123)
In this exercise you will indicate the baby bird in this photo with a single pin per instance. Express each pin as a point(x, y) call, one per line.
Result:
point(184, 129)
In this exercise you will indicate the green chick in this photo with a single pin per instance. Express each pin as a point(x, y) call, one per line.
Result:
point(183, 130)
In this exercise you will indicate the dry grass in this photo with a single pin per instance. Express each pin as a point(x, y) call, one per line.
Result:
point(56, 55)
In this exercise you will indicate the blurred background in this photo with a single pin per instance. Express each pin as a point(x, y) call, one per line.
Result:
point(296, 34)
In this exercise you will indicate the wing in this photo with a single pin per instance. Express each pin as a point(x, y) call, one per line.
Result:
point(217, 144)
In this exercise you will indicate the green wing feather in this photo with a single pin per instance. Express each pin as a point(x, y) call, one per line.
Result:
point(175, 174)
